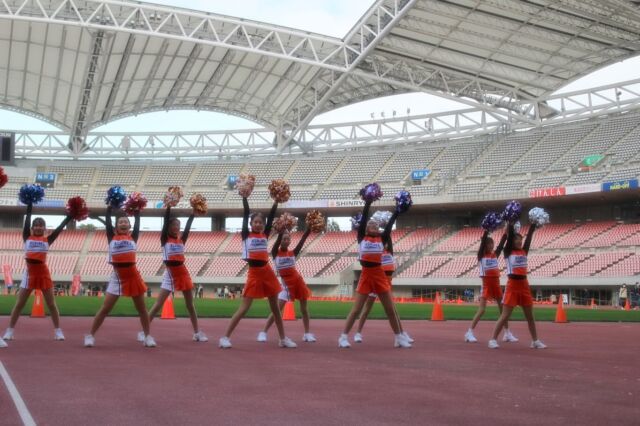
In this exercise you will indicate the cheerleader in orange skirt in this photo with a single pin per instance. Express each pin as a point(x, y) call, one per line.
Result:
point(389, 267)
point(518, 291)
point(490, 276)
point(176, 276)
point(125, 279)
point(36, 275)
point(372, 280)
point(261, 280)
point(293, 285)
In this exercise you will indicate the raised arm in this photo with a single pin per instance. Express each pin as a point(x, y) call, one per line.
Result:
point(527, 241)
point(187, 229)
point(245, 218)
point(500, 247)
point(276, 246)
point(386, 234)
point(362, 228)
point(483, 244)
point(52, 237)
point(164, 234)
point(108, 224)
point(26, 230)
point(298, 249)
point(511, 233)
point(136, 227)
point(272, 215)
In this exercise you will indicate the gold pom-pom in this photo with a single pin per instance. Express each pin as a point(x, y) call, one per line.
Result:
point(315, 221)
point(245, 185)
point(279, 190)
point(173, 196)
point(199, 204)
point(285, 221)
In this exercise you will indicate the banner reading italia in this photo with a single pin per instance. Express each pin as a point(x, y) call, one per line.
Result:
point(555, 191)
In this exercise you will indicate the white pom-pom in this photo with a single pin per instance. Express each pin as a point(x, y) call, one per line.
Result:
point(538, 216)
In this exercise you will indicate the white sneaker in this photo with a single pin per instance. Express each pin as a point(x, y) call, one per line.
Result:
point(3, 344)
point(149, 342)
point(8, 335)
point(537, 344)
point(140, 337)
point(262, 337)
point(58, 334)
point(287, 343)
point(406, 336)
point(309, 337)
point(493, 344)
point(89, 341)
point(224, 343)
point(200, 337)
point(469, 337)
point(343, 341)
point(401, 342)
point(357, 338)
point(509, 337)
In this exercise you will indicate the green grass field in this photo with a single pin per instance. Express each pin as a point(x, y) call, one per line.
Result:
point(209, 308)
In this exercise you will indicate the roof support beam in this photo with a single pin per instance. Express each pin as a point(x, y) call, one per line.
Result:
point(118, 78)
point(184, 73)
point(215, 77)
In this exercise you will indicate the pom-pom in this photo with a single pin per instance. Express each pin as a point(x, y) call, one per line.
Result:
point(491, 221)
point(3, 178)
point(315, 221)
point(77, 208)
point(371, 193)
point(382, 217)
point(31, 194)
point(135, 203)
point(285, 222)
point(355, 221)
point(173, 196)
point(115, 197)
point(512, 211)
point(403, 201)
point(245, 185)
point(199, 204)
point(538, 216)
point(279, 190)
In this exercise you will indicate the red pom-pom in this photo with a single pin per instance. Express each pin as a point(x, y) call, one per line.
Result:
point(135, 203)
point(77, 208)
point(3, 178)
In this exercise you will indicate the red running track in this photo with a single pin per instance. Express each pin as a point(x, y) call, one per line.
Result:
point(589, 375)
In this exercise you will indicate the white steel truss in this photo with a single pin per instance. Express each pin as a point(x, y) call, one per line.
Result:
point(574, 106)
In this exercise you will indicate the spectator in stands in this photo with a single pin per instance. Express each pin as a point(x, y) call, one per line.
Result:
point(372, 280)
point(261, 280)
point(622, 295)
point(176, 275)
point(490, 275)
point(518, 291)
point(389, 267)
point(36, 275)
point(292, 283)
point(125, 279)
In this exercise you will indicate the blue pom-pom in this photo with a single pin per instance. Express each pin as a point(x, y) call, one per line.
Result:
point(355, 221)
point(403, 201)
point(115, 197)
point(31, 194)
point(371, 193)
point(491, 221)
point(512, 211)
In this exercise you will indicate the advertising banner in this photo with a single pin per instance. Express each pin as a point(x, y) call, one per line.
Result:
point(555, 191)
point(619, 185)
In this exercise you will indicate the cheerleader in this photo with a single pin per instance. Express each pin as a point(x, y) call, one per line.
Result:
point(125, 279)
point(490, 276)
point(518, 291)
point(261, 280)
point(372, 280)
point(37, 276)
point(389, 267)
point(292, 283)
point(176, 276)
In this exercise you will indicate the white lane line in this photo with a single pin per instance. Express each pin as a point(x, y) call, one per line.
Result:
point(27, 420)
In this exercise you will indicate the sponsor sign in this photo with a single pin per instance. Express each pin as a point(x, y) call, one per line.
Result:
point(345, 203)
point(583, 189)
point(555, 191)
point(619, 185)
point(8, 202)
point(46, 180)
point(420, 174)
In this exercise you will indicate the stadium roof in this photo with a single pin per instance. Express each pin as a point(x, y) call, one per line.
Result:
point(82, 63)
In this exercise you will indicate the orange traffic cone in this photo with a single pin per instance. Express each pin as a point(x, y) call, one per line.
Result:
point(37, 310)
point(459, 301)
point(289, 312)
point(561, 315)
point(436, 314)
point(167, 309)
point(593, 304)
point(627, 306)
